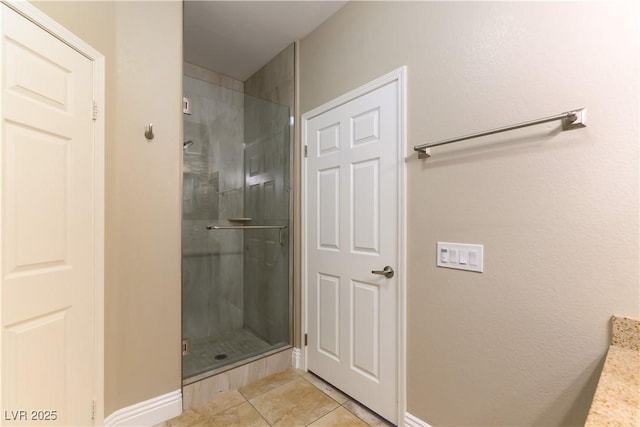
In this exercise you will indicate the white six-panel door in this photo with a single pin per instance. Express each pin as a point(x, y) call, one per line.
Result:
point(352, 214)
point(49, 209)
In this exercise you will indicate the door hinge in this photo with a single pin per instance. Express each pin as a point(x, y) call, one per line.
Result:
point(306, 339)
point(306, 150)
point(186, 346)
point(186, 105)
point(95, 110)
point(94, 409)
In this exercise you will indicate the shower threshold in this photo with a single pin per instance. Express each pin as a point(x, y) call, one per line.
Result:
point(215, 354)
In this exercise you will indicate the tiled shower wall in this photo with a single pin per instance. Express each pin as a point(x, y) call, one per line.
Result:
point(213, 182)
point(275, 82)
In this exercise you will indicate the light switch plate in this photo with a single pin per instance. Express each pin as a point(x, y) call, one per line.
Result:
point(469, 257)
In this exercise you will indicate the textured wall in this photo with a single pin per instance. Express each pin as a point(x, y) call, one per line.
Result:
point(149, 85)
point(522, 343)
point(142, 43)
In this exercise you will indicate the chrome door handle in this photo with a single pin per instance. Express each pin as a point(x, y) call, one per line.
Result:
point(387, 272)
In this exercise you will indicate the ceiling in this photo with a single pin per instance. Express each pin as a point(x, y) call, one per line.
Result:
point(237, 38)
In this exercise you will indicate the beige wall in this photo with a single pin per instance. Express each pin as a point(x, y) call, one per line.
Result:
point(522, 343)
point(142, 43)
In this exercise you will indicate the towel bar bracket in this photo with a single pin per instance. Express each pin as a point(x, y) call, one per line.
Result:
point(575, 119)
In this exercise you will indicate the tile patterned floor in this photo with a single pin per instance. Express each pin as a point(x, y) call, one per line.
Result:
point(289, 398)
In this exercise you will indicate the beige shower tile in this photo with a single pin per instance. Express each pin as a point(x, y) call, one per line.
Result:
point(296, 403)
point(366, 415)
point(231, 83)
point(201, 392)
point(243, 415)
point(268, 383)
point(196, 72)
point(220, 403)
point(247, 374)
point(331, 391)
point(339, 418)
point(278, 362)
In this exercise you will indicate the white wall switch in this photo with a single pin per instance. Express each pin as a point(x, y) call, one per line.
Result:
point(453, 255)
point(444, 255)
point(461, 256)
point(473, 258)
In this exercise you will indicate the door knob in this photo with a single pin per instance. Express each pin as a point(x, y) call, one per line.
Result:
point(387, 272)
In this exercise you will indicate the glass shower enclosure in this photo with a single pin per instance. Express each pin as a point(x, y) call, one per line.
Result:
point(235, 229)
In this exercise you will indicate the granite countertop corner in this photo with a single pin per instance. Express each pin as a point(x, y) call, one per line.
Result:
point(617, 398)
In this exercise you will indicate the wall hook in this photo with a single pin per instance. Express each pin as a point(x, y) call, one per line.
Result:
point(149, 132)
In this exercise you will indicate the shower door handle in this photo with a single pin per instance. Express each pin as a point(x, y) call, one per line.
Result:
point(387, 272)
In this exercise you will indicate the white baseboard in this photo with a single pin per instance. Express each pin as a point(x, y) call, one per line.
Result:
point(413, 421)
point(148, 413)
point(296, 358)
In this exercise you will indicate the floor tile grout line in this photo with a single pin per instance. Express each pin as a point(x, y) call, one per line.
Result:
point(268, 391)
point(326, 394)
point(349, 399)
point(300, 376)
point(335, 409)
point(353, 413)
point(340, 405)
point(260, 413)
point(373, 414)
point(307, 425)
point(222, 411)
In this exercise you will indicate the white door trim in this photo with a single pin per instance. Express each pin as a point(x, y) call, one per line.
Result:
point(398, 75)
point(36, 16)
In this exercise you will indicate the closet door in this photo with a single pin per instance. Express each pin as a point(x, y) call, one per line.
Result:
point(50, 251)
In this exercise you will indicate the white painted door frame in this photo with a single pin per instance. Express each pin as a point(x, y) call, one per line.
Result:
point(398, 75)
point(36, 16)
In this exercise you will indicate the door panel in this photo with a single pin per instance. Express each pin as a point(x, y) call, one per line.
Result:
point(365, 329)
point(329, 209)
point(24, 379)
point(36, 151)
point(352, 213)
point(329, 322)
point(47, 265)
point(365, 219)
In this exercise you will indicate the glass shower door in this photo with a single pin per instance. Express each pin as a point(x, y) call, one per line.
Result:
point(266, 261)
point(236, 281)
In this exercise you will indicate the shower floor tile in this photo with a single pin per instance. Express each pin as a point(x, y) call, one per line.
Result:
point(209, 353)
